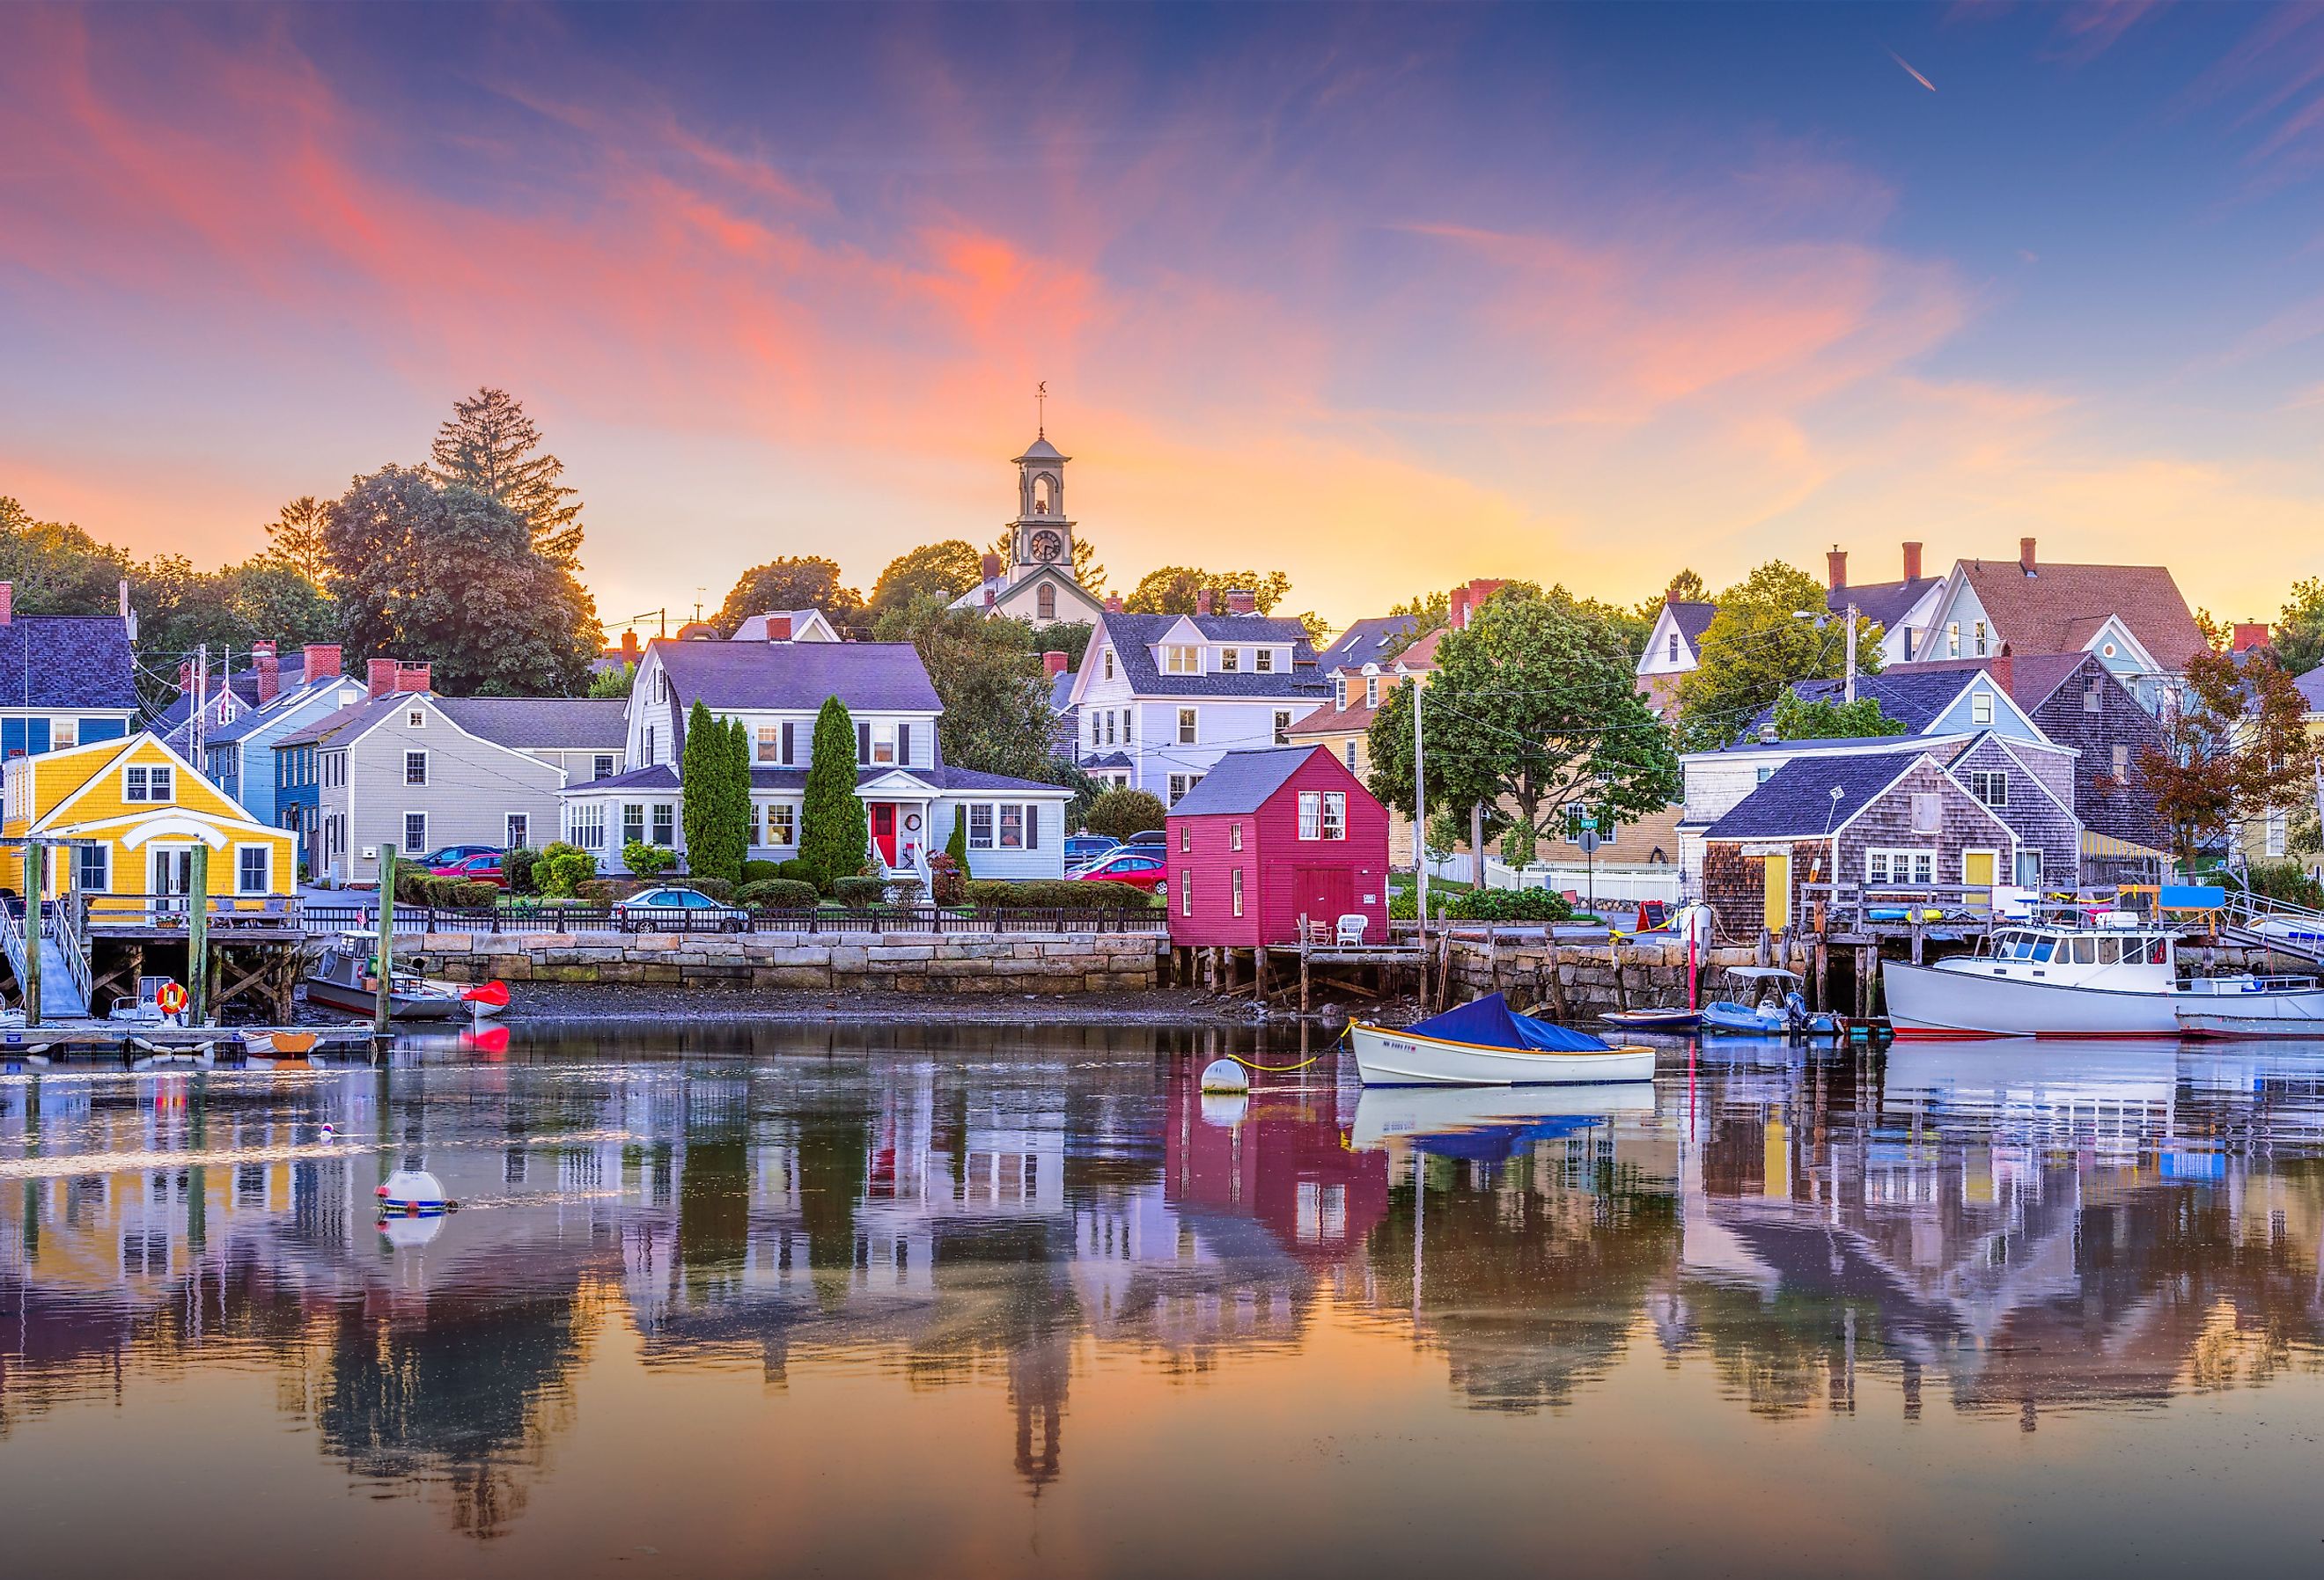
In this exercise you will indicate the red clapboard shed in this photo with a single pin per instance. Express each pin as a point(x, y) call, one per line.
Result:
point(1270, 836)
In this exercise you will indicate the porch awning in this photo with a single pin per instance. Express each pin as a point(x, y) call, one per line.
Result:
point(2095, 843)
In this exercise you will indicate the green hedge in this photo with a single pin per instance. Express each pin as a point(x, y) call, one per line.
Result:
point(777, 894)
point(859, 893)
point(761, 872)
point(1057, 894)
point(1508, 905)
point(718, 889)
point(413, 887)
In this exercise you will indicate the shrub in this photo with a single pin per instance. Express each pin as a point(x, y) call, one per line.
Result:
point(2286, 882)
point(562, 870)
point(597, 892)
point(718, 889)
point(777, 894)
point(715, 767)
point(795, 870)
point(465, 894)
point(904, 889)
point(956, 847)
point(1120, 813)
point(1505, 905)
point(648, 860)
point(761, 872)
point(1057, 895)
point(859, 893)
point(947, 880)
point(517, 867)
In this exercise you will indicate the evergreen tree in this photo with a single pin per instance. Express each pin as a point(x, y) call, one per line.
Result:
point(491, 445)
point(956, 846)
point(738, 775)
point(294, 538)
point(835, 840)
point(715, 835)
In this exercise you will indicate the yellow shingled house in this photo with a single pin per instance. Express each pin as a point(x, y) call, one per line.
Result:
point(144, 810)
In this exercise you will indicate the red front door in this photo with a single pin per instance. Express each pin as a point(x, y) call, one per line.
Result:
point(883, 830)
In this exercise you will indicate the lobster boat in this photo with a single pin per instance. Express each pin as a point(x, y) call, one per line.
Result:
point(343, 980)
point(1486, 1043)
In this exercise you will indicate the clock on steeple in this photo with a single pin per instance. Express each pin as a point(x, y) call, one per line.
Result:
point(1042, 533)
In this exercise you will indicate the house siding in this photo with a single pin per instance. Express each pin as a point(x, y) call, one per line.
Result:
point(473, 785)
point(2124, 810)
point(2037, 812)
point(1276, 865)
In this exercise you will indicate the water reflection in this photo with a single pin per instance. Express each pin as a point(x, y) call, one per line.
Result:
point(1003, 1218)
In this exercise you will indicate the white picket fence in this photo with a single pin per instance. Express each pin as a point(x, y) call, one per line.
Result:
point(1606, 882)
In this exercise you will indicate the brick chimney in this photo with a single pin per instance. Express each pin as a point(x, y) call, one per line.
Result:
point(185, 674)
point(1203, 602)
point(379, 676)
point(2025, 556)
point(1113, 603)
point(1479, 589)
point(1052, 664)
point(1912, 562)
point(1241, 601)
point(322, 660)
point(411, 678)
point(262, 646)
point(991, 565)
point(2249, 635)
point(1456, 612)
point(991, 598)
point(1835, 568)
point(270, 673)
point(631, 651)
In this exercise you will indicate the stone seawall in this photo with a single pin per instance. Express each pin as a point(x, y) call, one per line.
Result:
point(1044, 963)
point(1588, 979)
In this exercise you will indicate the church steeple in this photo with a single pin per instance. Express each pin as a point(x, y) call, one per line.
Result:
point(1042, 533)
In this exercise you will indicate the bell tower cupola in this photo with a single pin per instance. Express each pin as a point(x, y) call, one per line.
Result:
point(1042, 533)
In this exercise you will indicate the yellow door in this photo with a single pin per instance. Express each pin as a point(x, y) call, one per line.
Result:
point(1977, 871)
point(1779, 893)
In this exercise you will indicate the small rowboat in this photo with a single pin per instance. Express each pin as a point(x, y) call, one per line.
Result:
point(1488, 1044)
point(289, 1044)
point(1654, 1019)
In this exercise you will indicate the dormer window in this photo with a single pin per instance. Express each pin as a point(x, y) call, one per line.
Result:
point(1263, 661)
point(1182, 660)
point(1673, 647)
point(1371, 690)
point(1230, 660)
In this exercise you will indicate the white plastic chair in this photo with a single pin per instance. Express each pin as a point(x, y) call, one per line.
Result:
point(1352, 929)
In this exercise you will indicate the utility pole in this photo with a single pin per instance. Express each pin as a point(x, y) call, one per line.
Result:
point(1851, 652)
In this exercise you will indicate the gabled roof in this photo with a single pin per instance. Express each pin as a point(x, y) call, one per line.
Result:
point(67, 661)
point(2060, 607)
point(541, 723)
point(1361, 643)
point(1134, 637)
point(1692, 619)
point(1242, 781)
point(1797, 803)
point(250, 720)
point(754, 627)
point(874, 677)
point(2311, 687)
point(1915, 698)
point(1422, 653)
point(357, 716)
point(1884, 603)
point(664, 776)
point(1338, 721)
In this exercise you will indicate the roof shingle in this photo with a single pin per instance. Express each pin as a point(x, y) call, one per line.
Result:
point(2060, 607)
point(1797, 801)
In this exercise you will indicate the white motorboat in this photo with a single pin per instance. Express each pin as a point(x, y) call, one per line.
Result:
point(1488, 1044)
point(2117, 977)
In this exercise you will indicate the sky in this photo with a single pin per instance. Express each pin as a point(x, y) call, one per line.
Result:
point(1384, 297)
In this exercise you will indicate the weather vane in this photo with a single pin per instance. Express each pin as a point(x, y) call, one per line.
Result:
point(1041, 409)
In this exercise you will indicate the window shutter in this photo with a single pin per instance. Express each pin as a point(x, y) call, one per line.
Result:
point(1928, 814)
point(863, 742)
point(1033, 826)
point(788, 758)
point(903, 746)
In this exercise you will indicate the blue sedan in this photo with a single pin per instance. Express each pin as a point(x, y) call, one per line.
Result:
point(674, 909)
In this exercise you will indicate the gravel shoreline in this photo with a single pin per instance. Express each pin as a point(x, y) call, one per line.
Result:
point(544, 1005)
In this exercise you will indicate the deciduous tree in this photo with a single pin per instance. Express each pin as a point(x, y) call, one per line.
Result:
point(1175, 590)
point(1830, 718)
point(944, 570)
point(1757, 645)
point(451, 576)
point(2299, 635)
point(1533, 709)
point(802, 582)
point(489, 444)
point(2236, 748)
point(988, 675)
point(1120, 813)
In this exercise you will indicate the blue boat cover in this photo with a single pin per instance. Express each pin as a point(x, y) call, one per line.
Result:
point(2191, 897)
point(1490, 1022)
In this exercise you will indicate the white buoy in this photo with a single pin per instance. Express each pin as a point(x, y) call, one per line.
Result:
point(412, 1192)
point(1224, 1074)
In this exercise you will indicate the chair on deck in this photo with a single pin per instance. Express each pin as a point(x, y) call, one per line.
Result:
point(1352, 927)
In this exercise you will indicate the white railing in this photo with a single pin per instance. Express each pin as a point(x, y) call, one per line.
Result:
point(72, 943)
point(1603, 881)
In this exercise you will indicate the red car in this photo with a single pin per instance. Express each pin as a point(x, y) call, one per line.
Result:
point(1140, 868)
point(476, 869)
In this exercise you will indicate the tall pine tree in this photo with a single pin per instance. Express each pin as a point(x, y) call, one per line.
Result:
point(833, 839)
point(491, 445)
point(717, 799)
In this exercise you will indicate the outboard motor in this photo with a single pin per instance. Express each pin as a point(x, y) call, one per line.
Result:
point(1796, 1011)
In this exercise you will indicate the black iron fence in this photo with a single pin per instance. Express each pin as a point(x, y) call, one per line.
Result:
point(606, 918)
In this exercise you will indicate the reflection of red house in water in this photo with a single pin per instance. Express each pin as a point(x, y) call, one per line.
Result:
point(1284, 1164)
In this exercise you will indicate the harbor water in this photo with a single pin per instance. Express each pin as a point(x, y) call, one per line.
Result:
point(975, 1301)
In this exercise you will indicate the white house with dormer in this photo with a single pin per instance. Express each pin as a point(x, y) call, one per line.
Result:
point(1160, 697)
point(777, 689)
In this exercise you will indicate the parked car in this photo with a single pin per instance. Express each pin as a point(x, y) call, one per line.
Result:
point(436, 860)
point(1153, 836)
point(1087, 847)
point(476, 869)
point(674, 909)
point(1141, 869)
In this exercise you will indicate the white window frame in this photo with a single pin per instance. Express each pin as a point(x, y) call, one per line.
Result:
point(1322, 815)
point(415, 719)
point(103, 862)
point(1902, 864)
point(603, 764)
point(640, 836)
point(1371, 690)
point(884, 740)
point(1980, 707)
point(2121, 764)
point(1347, 750)
point(1234, 836)
point(980, 813)
point(1283, 727)
point(1229, 660)
point(1981, 780)
point(63, 733)
point(242, 854)
point(2276, 841)
point(1109, 663)
point(158, 783)
point(1180, 658)
point(781, 823)
point(419, 755)
point(423, 847)
point(767, 743)
point(1262, 661)
point(662, 827)
point(1187, 891)
point(585, 825)
point(1235, 889)
point(1189, 726)
point(508, 828)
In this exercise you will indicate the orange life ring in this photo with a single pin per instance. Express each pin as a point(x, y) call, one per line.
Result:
point(172, 999)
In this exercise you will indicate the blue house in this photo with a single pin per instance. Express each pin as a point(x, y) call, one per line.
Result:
point(287, 695)
point(65, 680)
